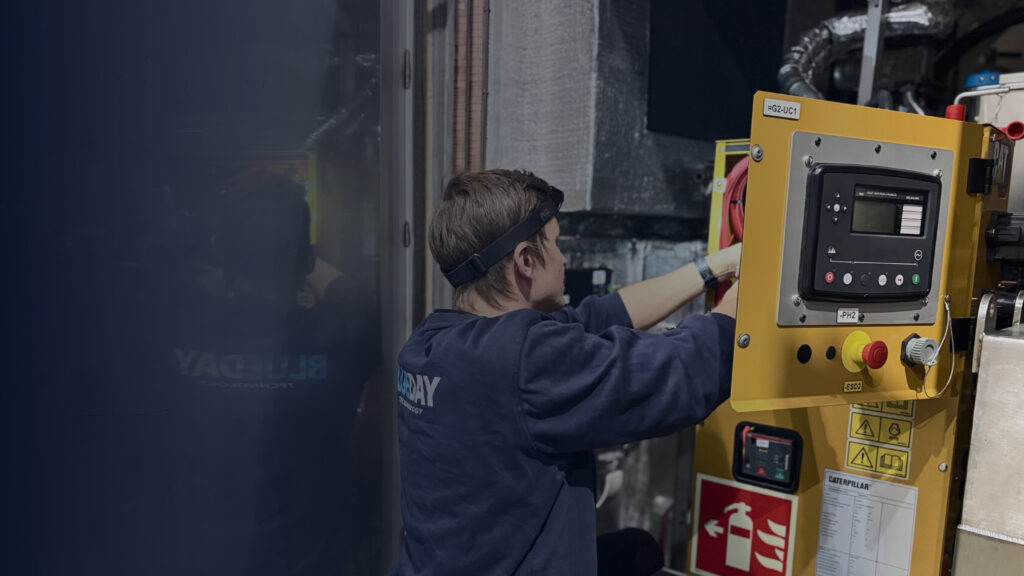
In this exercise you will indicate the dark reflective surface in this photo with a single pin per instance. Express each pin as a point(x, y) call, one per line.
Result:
point(192, 310)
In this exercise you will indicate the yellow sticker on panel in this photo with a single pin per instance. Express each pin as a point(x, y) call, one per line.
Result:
point(901, 407)
point(861, 456)
point(893, 462)
point(896, 432)
point(865, 427)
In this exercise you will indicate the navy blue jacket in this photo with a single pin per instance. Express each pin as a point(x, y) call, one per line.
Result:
point(497, 418)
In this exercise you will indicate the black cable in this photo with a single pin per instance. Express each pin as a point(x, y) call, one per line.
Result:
point(983, 31)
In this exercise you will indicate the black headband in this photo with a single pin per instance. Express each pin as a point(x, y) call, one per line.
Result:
point(478, 264)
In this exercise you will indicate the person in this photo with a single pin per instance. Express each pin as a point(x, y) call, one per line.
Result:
point(502, 399)
point(269, 350)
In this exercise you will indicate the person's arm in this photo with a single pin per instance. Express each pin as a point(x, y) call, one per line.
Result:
point(651, 301)
point(596, 313)
point(581, 391)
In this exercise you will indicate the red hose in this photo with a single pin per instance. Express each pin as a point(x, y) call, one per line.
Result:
point(1015, 130)
point(733, 199)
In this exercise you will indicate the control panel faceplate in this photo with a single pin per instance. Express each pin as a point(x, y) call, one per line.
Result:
point(869, 233)
point(882, 185)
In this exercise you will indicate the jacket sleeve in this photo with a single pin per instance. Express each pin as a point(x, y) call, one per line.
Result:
point(583, 391)
point(596, 313)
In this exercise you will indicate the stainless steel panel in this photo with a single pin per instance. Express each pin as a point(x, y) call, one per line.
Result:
point(840, 150)
point(991, 536)
point(978, 554)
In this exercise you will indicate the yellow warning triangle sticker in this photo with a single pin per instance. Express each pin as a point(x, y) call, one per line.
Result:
point(865, 429)
point(862, 459)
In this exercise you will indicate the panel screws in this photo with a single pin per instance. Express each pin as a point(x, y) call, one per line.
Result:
point(878, 149)
point(860, 317)
point(743, 341)
point(817, 141)
point(937, 173)
point(934, 154)
point(943, 467)
point(796, 300)
point(917, 316)
point(803, 318)
point(757, 153)
point(808, 160)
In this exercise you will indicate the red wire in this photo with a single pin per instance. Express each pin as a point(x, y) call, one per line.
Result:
point(733, 199)
point(732, 211)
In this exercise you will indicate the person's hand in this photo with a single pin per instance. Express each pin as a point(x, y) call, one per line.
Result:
point(728, 304)
point(725, 263)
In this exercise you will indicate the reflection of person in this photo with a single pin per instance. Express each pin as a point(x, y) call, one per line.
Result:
point(502, 399)
point(271, 350)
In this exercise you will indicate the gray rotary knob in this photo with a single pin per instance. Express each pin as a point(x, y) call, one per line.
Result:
point(923, 351)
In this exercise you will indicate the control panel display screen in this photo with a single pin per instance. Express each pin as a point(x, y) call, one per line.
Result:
point(887, 212)
point(874, 217)
point(767, 456)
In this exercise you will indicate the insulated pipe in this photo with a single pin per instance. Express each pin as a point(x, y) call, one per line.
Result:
point(809, 59)
point(911, 101)
point(997, 89)
point(957, 111)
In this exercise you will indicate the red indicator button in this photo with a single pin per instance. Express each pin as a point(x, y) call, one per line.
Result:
point(829, 277)
point(875, 354)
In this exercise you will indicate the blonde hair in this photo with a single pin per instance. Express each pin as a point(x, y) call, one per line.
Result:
point(476, 209)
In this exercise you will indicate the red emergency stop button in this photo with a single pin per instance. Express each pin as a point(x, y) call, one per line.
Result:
point(875, 354)
point(829, 277)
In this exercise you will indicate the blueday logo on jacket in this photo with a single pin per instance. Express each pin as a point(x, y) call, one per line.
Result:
point(416, 389)
point(251, 371)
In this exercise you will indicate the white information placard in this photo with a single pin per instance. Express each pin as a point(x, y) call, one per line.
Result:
point(866, 526)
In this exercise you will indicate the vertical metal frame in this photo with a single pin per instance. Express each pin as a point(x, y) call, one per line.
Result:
point(439, 139)
point(397, 266)
point(872, 52)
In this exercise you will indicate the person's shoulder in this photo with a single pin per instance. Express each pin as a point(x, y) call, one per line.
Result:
point(454, 338)
point(463, 327)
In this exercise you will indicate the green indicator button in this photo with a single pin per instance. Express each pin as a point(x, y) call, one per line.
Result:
point(915, 279)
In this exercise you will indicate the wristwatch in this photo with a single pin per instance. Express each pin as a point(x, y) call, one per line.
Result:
point(710, 281)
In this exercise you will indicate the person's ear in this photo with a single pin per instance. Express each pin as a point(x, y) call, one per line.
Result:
point(524, 260)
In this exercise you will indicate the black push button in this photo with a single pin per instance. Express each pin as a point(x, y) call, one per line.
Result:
point(803, 354)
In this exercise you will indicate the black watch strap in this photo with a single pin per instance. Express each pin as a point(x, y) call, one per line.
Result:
point(710, 281)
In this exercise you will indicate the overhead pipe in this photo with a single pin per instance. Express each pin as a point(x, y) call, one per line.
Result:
point(809, 60)
point(958, 110)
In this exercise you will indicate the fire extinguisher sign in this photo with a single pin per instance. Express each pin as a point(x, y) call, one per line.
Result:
point(741, 530)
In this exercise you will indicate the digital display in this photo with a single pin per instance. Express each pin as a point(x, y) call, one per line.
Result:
point(874, 217)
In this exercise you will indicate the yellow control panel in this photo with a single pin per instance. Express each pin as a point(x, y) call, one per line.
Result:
point(866, 245)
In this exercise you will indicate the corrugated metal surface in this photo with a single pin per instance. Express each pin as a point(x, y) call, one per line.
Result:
point(568, 99)
point(637, 171)
point(543, 82)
